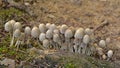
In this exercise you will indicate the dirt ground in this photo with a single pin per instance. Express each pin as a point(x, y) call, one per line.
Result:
point(80, 13)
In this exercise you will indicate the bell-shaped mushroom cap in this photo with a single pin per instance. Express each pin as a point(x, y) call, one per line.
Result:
point(17, 25)
point(8, 26)
point(63, 28)
point(79, 33)
point(42, 28)
point(17, 33)
point(42, 36)
point(49, 34)
point(35, 32)
point(48, 25)
point(12, 22)
point(56, 31)
point(110, 53)
point(56, 38)
point(86, 39)
point(102, 43)
point(27, 30)
point(68, 33)
point(88, 31)
point(46, 43)
point(52, 27)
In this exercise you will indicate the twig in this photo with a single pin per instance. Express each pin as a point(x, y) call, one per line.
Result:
point(101, 25)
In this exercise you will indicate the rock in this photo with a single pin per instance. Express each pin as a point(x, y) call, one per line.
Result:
point(8, 62)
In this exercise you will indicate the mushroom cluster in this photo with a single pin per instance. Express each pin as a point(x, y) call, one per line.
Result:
point(50, 36)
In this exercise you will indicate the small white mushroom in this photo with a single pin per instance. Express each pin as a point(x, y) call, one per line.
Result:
point(17, 25)
point(109, 54)
point(12, 22)
point(35, 32)
point(42, 28)
point(79, 33)
point(42, 37)
point(46, 43)
point(63, 28)
point(86, 39)
point(56, 31)
point(48, 25)
point(17, 33)
point(52, 27)
point(102, 43)
point(8, 27)
point(88, 31)
point(27, 31)
point(68, 36)
point(49, 34)
point(56, 39)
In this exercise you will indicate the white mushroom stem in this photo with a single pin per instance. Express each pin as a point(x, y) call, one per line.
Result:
point(56, 40)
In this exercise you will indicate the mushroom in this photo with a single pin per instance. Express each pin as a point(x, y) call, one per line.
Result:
point(86, 40)
point(48, 25)
point(8, 27)
point(99, 51)
point(52, 27)
point(46, 43)
point(102, 43)
point(63, 28)
point(35, 32)
point(108, 40)
point(109, 54)
point(17, 34)
point(17, 25)
point(79, 34)
point(42, 28)
point(42, 37)
point(56, 40)
point(56, 31)
point(88, 31)
point(104, 57)
point(68, 35)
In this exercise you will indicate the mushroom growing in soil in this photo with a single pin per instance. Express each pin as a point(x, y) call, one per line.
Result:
point(17, 25)
point(102, 43)
point(109, 54)
point(42, 28)
point(27, 32)
point(48, 25)
point(86, 40)
point(46, 43)
point(17, 34)
point(68, 35)
point(56, 40)
point(42, 36)
point(52, 27)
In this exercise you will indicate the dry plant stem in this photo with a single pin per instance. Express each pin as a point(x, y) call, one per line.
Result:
point(101, 25)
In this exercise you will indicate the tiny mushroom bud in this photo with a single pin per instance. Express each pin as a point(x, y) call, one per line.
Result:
point(102, 43)
point(17, 25)
point(63, 28)
point(86, 39)
point(8, 26)
point(17, 33)
point(42, 28)
point(35, 32)
point(27, 30)
point(110, 54)
point(88, 31)
point(42, 36)
point(104, 57)
point(46, 43)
